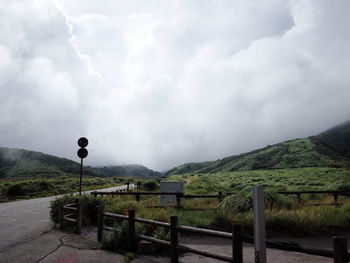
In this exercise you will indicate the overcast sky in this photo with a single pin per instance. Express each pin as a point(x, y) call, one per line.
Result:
point(161, 83)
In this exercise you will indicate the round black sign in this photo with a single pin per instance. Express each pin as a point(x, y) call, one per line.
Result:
point(83, 142)
point(82, 153)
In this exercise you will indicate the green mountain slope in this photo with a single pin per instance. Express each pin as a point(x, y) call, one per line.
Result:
point(328, 149)
point(19, 163)
point(24, 163)
point(127, 170)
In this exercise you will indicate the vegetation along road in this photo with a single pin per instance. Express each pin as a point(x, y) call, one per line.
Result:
point(21, 221)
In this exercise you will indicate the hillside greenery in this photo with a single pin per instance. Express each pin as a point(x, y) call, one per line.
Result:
point(311, 178)
point(328, 149)
point(127, 170)
point(19, 163)
point(24, 188)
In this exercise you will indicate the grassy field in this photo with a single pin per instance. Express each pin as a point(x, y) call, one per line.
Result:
point(312, 178)
point(24, 188)
point(207, 213)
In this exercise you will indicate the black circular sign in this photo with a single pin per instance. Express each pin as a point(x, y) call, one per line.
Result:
point(83, 142)
point(82, 153)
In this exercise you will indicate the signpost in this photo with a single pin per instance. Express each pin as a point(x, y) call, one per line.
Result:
point(82, 153)
point(259, 224)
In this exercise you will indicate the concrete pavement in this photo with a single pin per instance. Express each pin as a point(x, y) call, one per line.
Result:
point(21, 221)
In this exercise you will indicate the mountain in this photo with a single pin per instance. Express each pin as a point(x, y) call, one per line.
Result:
point(24, 163)
point(19, 163)
point(127, 170)
point(328, 149)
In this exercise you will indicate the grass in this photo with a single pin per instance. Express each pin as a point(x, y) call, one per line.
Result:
point(25, 188)
point(312, 178)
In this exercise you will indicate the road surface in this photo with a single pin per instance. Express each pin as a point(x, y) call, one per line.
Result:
point(21, 221)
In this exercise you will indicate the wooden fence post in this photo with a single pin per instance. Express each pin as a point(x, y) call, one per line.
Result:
point(299, 198)
point(335, 198)
point(131, 231)
point(237, 249)
point(79, 218)
point(340, 249)
point(178, 200)
point(61, 214)
point(101, 211)
point(174, 240)
point(127, 185)
point(137, 197)
point(220, 196)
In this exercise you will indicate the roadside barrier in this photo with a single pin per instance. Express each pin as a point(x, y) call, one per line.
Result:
point(339, 253)
point(221, 195)
point(71, 213)
point(173, 244)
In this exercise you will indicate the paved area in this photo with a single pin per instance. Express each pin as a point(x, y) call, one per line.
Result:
point(25, 220)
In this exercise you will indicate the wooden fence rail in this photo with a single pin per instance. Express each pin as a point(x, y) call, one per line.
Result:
point(339, 253)
point(221, 195)
point(174, 240)
point(74, 215)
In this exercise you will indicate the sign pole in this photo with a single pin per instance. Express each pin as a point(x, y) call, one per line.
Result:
point(82, 153)
point(259, 224)
point(81, 174)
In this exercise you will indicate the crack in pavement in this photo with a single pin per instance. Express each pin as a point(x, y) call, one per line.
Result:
point(25, 240)
point(54, 250)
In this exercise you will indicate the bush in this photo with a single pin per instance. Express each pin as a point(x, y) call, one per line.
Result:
point(150, 185)
point(117, 238)
point(89, 203)
point(243, 201)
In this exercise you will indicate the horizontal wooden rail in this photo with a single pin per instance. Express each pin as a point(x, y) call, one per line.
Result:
point(312, 192)
point(153, 240)
point(117, 216)
point(70, 208)
point(204, 231)
point(75, 210)
point(152, 222)
point(70, 219)
point(204, 253)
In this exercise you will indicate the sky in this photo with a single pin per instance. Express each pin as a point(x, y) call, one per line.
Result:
point(162, 83)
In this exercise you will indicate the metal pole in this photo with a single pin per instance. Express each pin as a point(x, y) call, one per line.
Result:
point(259, 224)
point(81, 174)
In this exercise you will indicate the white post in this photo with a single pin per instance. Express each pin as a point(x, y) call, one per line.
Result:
point(259, 224)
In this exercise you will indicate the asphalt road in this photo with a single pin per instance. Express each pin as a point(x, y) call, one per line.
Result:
point(21, 221)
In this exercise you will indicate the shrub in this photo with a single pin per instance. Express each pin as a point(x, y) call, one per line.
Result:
point(90, 207)
point(243, 201)
point(150, 185)
point(117, 238)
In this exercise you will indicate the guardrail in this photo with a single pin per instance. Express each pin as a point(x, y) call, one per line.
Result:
point(339, 253)
point(74, 215)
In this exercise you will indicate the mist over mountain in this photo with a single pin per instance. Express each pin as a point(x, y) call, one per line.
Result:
point(20, 163)
point(327, 149)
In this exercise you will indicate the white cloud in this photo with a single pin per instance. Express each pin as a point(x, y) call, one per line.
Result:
point(168, 82)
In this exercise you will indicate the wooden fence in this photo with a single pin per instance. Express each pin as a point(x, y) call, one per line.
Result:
point(339, 253)
point(220, 194)
point(71, 213)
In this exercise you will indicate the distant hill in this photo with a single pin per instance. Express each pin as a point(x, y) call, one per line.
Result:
point(24, 163)
point(328, 149)
point(19, 163)
point(127, 170)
